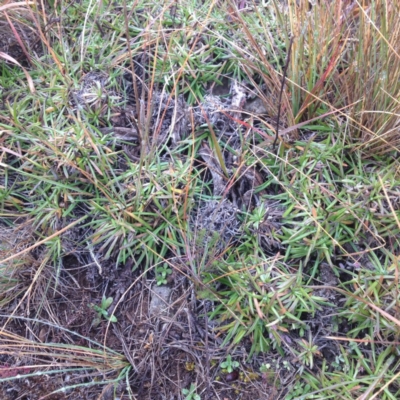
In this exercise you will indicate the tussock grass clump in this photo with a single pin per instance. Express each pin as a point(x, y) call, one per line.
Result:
point(347, 55)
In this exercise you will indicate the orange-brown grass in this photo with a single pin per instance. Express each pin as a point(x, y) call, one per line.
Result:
point(347, 52)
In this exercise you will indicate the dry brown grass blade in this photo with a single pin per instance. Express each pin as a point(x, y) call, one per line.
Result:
point(332, 64)
point(61, 355)
point(14, 61)
point(363, 10)
point(15, 6)
point(364, 341)
point(389, 202)
point(369, 304)
point(373, 76)
point(300, 124)
point(367, 394)
point(310, 98)
point(18, 38)
point(46, 42)
point(273, 78)
point(30, 248)
point(354, 52)
point(389, 382)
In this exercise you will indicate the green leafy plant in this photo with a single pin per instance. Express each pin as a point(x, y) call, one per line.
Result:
point(300, 388)
point(102, 311)
point(162, 273)
point(257, 217)
point(190, 394)
point(248, 303)
point(229, 364)
point(308, 352)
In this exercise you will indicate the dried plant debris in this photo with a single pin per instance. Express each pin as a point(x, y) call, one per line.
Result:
point(215, 225)
point(213, 165)
point(95, 93)
point(169, 119)
point(14, 239)
point(223, 112)
point(214, 110)
point(134, 82)
point(164, 119)
point(218, 224)
point(270, 225)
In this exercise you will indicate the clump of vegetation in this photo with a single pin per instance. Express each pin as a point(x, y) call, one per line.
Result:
point(229, 365)
point(102, 311)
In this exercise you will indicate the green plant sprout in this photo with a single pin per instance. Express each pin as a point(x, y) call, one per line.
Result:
point(309, 351)
point(299, 389)
point(230, 365)
point(102, 311)
point(257, 217)
point(190, 394)
point(162, 273)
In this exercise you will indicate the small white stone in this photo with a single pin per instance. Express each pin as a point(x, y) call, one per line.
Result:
point(159, 300)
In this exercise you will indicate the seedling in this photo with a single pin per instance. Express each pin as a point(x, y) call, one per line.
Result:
point(257, 217)
point(162, 273)
point(230, 365)
point(309, 351)
point(190, 394)
point(102, 311)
